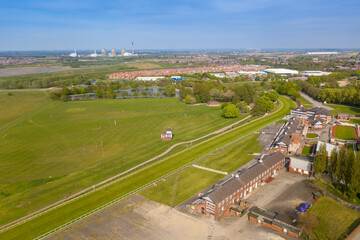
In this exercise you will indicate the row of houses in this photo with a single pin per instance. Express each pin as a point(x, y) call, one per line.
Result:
point(221, 197)
point(187, 70)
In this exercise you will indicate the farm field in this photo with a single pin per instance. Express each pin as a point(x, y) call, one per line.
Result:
point(345, 133)
point(65, 147)
point(335, 220)
point(177, 188)
point(74, 209)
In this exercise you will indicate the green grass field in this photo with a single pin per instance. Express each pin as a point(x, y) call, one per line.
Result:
point(62, 148)
point(344, 109)
point(227, 160)
point(307, 150)
point(234, 156)
point(354, 120)
point(177, 188)
point(304, 102)
point(64, 214)
point(335, 220)
point(15, 107)
point(311, 135)
point(345, 133)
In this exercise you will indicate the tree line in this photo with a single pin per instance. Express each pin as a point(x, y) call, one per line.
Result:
point(343, 167)
point(347, 96)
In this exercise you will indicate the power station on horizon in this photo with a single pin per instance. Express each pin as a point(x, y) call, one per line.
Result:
point(103, 53)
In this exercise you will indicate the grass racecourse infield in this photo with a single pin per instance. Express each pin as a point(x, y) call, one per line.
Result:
point(103, 140)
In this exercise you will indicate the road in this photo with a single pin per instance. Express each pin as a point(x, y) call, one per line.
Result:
point(314, 102)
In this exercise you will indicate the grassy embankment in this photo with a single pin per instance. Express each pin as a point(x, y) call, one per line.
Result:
point(180, 187)
point(335, 220)
point(343, 109)
point(62, 148)
point(63, 214)
point(304, 102)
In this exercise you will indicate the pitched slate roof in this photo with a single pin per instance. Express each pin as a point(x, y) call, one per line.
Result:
point(284, 139)
point(300, 109)
point(314, 120)
point(220, 191)
point(321, 111)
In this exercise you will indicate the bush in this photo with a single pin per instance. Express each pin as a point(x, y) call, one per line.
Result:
point(189, 100)
point(230, 111)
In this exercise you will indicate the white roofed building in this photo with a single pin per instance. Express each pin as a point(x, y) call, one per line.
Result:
point(149, 78)
point(329, 147)
point(281, 71)
point(314, 73)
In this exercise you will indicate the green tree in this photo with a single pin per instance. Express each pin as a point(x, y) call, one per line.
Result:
point(266, 102)
point(333, 163)
point(273, 96)
point(202, 93)
point(224, 105)
point(320, 160)
point(189, 99)
point(64, 98)
point(340, 163)
point(242, 106)
point(348, 167)
point(230, 111)
point(235, 99)
point(258, 109)
point(355, 178)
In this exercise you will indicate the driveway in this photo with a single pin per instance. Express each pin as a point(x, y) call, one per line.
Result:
point(314, 102)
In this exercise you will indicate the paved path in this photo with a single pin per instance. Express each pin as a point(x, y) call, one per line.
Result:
point(210, 169)
point(314, 102)
point(72, 197)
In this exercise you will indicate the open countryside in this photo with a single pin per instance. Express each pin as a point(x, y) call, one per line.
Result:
point(62, 214)
point(84, 143)
point(206, 120)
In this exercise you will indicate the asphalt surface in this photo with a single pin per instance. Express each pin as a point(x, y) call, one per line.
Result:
point(314, 102)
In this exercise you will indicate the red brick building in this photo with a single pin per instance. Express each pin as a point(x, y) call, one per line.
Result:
point(219, 199)
point(288, 138)
point(343, 116)
point(275, 221)
point(301, 164)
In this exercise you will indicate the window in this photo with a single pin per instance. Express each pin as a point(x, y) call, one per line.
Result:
point(240, 194)
point(294, 169)
point(230, 197)
point(219, 204)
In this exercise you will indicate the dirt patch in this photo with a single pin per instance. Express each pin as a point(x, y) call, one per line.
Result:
point(137, 218)
point(343, 83)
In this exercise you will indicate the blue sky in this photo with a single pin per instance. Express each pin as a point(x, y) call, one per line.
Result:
point(188, 24)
